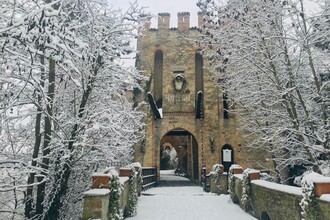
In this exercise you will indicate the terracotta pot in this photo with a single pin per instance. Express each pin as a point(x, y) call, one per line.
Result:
point(237, 170)
point(321, 188)
point(100, 181)
point(254, 176)
point(125, 172)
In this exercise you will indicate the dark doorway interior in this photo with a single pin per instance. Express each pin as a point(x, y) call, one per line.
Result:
point(179, 151)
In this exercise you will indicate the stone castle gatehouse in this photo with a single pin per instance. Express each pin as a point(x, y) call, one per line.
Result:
point(189, 122)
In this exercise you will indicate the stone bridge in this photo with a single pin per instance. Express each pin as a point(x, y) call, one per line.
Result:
point(248, 198)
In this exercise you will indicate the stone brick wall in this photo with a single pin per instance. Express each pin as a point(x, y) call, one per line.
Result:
point(97, 199)
point(279, 205)
point(179, 48)
point(277, 201)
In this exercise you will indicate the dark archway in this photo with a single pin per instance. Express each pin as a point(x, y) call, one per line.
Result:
point(227, 156)
point(183, 145)
point(265, 216)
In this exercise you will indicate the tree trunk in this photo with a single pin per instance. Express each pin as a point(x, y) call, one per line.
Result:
point(29, 191)
point(62, 177)
point(47, 137)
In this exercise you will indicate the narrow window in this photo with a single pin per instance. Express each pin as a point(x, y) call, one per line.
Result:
point(225, 106)
point(158, 78)
point(198, 72)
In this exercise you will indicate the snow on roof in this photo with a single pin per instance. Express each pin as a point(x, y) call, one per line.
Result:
point(279, 187)
point(97, 192)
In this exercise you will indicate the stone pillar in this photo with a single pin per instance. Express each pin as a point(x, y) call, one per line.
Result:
point(96, 204)
point(219, 185)
point(183, 21)
point(164, 21)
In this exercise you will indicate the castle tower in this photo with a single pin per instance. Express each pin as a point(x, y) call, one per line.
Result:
point(186, 113)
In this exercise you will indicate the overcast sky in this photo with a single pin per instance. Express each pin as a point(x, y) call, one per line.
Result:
point(170, 6)
point(175, 6)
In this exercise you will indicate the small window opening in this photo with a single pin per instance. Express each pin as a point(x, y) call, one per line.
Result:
point(225, 106)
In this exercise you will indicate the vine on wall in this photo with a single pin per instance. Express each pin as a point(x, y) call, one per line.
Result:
point(308, 204)
point(115, 187)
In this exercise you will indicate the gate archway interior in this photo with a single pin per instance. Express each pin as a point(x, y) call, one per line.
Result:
point(227, 156)
point(179, 152)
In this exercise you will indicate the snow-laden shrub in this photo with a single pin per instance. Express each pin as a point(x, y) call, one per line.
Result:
point(115, 187)
point(215, 175)
point(308, 203)
point(130, 209)
point(139, 180)
point(246, 190)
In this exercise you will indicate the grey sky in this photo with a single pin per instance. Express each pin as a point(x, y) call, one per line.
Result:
point(157, 6)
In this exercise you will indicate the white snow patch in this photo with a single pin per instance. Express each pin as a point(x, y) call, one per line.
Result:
point(179, 203)
point(101, 174)
point(123, 179)
point(167, 172)
point(239, 176)
point(279, 187)
point(161, 112)
point(313, 177)
point(325, 197)
point(97, 192)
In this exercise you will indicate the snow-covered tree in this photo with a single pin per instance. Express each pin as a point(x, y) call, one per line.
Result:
point(64, 111)
point(265, 57)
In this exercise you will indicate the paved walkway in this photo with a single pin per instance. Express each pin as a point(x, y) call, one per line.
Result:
point(177, 198)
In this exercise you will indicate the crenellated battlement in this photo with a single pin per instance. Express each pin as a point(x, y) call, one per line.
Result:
point(183, 21)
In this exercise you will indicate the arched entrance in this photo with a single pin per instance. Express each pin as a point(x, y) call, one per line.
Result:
point(179, 151)
point(227, 156)
point(265, 216)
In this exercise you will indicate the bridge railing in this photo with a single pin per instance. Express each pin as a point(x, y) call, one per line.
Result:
point(149, 177)
point(269, 200)
point(104, 200)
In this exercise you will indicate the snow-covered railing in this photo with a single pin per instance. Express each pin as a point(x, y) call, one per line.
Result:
point(149, 177)
point(269, 200)
point(218, 180)
point(113, 195)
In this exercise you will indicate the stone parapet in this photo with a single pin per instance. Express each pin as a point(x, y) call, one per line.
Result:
point(96, 203)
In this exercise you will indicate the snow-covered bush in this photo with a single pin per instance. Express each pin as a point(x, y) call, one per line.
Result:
point(246, 191)
point(215, 175)
point(130, 209)
point(115, 187)
point(308, 203)
point(139, 180)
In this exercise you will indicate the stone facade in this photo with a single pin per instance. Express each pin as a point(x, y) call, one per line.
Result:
point(205, 137)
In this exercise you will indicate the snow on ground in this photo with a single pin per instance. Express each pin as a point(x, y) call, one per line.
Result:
point(186, 202)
